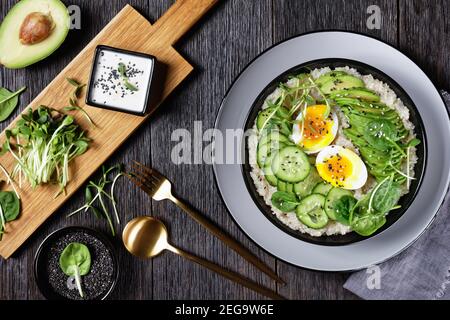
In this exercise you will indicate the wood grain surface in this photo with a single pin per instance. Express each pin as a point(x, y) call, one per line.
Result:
point(219, 47)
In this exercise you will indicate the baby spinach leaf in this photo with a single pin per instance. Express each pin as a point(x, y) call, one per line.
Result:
point(386, 196)
point(367, 223)
point(75, 260)
point(10, 205)
point(343, 208)
point(8, 102)
point(380, 133)
point(284, 201)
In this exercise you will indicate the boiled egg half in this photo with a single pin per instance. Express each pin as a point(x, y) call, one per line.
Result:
point(341, 167)
point(312, 131)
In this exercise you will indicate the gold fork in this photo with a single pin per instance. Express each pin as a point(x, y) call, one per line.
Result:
point(159, 188)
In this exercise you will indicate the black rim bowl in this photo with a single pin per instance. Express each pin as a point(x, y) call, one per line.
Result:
point(414, 117)
point(40, 274)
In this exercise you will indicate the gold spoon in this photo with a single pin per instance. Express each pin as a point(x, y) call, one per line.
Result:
point(146, 237)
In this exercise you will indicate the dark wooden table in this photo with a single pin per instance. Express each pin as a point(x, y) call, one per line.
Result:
point(219, 47)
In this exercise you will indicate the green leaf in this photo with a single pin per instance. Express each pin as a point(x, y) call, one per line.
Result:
point(70, 108)
point(380, 134)
point(8, 102)
point(366, 224)
point(73, 82)
point(284, 201)
point(343, 208)
point(122, 69)
point(73, 103)
point(130, 86)
point(82, 146)
point(414, 142)
point(10, 205)
point(75, 255)
point(78, 90)
point(97, 213)
point(67, 121)
point(88, 195)
point(386, 196)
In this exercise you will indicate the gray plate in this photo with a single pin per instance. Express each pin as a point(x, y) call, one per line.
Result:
point(288, 54)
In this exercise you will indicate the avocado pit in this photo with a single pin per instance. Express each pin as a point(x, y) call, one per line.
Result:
point(35, 28)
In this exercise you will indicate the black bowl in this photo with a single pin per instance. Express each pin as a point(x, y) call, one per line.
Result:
point(98, 245)
point(414, 117)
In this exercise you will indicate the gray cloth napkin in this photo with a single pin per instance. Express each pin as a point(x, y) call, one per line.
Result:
point(420, 272)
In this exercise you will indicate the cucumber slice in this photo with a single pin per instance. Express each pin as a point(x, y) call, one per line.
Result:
point(281, 186)
point(262, 153)
point(268, 173)
point(270, 177)
point(290, 188)
point(333, 195)
point(274, 135)
point(322, 188)
point(265, 150)
point(305, 187)
point(291, 164)
point(310, 211)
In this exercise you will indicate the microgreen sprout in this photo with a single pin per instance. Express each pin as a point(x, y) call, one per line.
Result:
point(327, 112)
point(73, 100)
point(3, 222)
point(49, 141)
point(122, 69)
point(10, 180)
point(101, 195)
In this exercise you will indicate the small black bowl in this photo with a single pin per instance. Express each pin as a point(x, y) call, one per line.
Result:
point(362, 68)
point(99, 282)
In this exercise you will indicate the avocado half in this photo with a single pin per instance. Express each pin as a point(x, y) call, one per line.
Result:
point(31, 31)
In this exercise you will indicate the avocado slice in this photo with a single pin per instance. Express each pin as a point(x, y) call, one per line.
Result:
point(356, 93)
point(328, 76)
point(342, 82)
point(31, 31)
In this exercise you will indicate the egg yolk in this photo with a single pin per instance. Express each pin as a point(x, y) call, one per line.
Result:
point(316, 129)
point(335, 170)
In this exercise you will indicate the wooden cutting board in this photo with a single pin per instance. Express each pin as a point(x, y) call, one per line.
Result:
point(128, 30)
